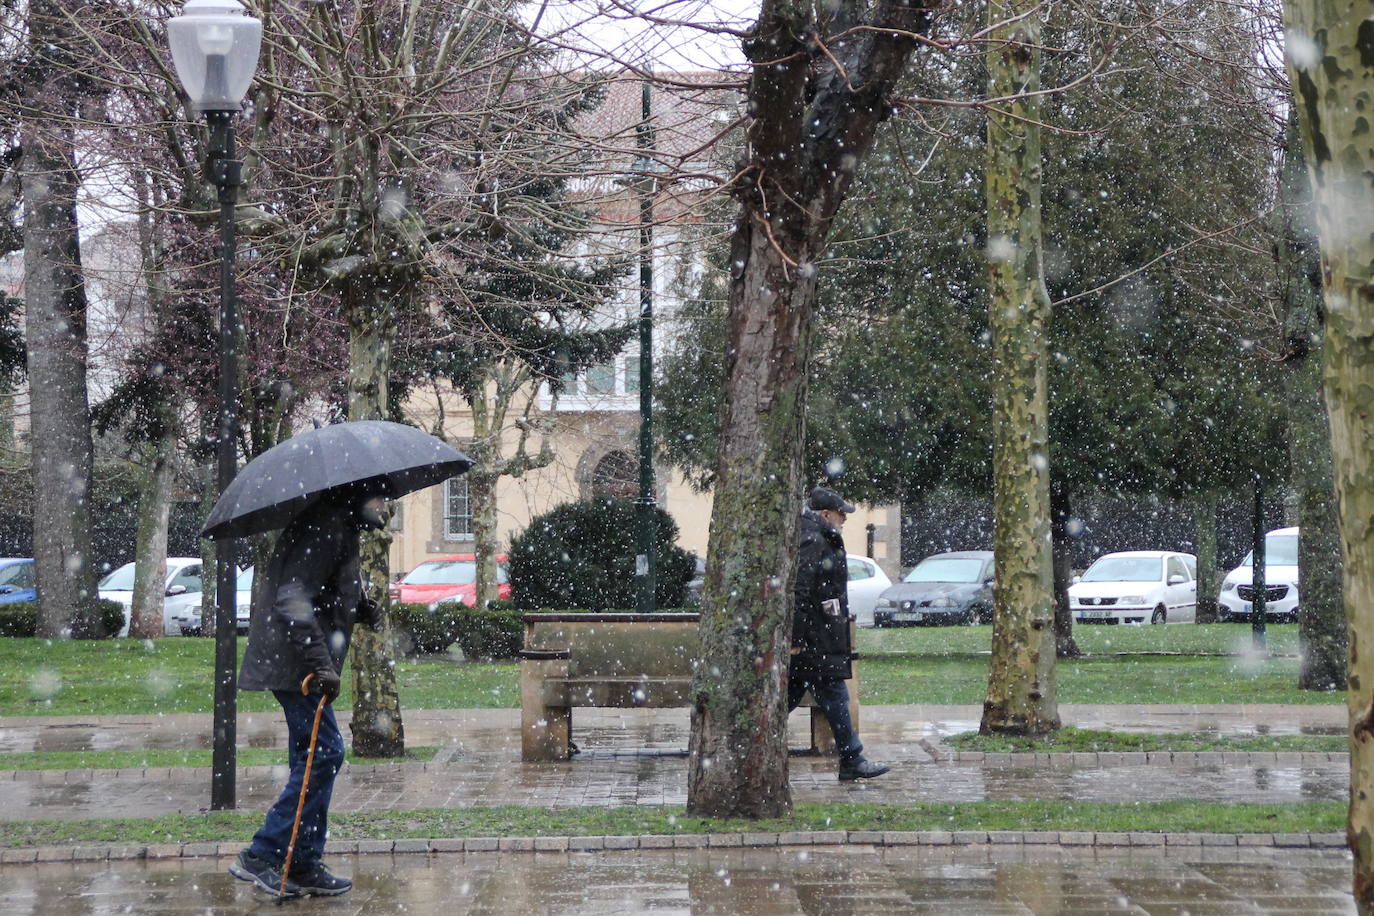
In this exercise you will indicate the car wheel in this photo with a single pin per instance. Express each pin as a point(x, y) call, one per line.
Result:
point(1158, 616)
point(980, 615)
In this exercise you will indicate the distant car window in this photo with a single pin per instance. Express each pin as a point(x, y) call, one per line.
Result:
point(245, 582)
point(20, 575)
point(189, 577)
point(1177, 568)
point(947, 569)
point(1192, 567)
point(1125, 569)
point(1279, 550)
point(121, 580)
point(443, 572)
point(858, 569)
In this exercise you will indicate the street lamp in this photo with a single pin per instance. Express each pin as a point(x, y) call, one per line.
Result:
point(215, 51)
point(645, 516)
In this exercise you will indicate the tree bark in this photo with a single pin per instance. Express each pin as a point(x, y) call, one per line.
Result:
point(377, 727)
point(1021, 696)
point(1321, 615)
point(1208, 582)
point(815, 102)
point(55, 315)
point(1061, 509)
point(1330, 52)
point(150, 541)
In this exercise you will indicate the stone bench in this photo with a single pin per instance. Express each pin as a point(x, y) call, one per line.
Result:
point(617, 661)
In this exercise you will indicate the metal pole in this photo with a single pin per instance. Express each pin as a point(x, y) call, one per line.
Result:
point(224, 172)
point(1258, 603)
point(646, 504)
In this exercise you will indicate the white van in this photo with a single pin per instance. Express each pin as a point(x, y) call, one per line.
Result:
point(1280, 580)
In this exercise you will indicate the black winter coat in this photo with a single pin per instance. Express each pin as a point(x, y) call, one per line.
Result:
point(820, 620)
point(306, 606)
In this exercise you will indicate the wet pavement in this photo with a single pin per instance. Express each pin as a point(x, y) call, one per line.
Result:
point(637, 757)
point(829, 880)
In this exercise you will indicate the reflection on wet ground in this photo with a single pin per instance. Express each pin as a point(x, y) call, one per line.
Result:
point(834, 881)
point(634, 757)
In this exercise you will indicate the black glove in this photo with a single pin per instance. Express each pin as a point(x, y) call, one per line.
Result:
point(328, 684)
point(370, 614)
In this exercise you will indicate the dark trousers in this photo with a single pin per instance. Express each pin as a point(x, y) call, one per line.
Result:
point(271, 841)
point(832, 697)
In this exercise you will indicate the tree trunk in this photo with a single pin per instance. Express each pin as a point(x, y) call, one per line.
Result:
point(816, 96)
point(1021, 696)
point(1061, 509)
point(482, 503)
point(55, 315)
point(150, 541)
point(209, 554)
point(1208, 582)
point(1330, 60)
point(377, 727)
point(1321, 616)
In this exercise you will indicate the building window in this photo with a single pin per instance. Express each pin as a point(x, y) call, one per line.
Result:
point(601, 379)
point(457, 510)
point(632, 375)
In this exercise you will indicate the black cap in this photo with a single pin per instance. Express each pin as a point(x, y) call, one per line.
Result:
point(826, 498)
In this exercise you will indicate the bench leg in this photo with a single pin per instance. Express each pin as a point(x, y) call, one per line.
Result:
point(545, 731)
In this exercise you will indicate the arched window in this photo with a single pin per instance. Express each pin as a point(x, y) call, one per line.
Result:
point(616, 474)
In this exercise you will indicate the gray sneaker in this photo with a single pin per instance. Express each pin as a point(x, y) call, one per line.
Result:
point(263, 874)
point(317, 881)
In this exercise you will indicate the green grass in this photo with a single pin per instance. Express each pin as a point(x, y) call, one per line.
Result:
point(1155, 817)
point(159, 758)
point(1082, 739)
point(933, 665)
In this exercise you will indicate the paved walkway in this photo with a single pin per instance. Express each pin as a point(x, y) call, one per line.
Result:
point(637, 757)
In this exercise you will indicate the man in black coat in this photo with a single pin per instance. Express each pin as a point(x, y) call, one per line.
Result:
point(310, 597)
point(820, 628)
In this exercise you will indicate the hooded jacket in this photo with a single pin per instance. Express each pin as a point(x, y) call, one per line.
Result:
point(304, 612)
point(820, 619)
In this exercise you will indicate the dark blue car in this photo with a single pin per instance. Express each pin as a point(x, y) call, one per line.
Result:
point(16, 580)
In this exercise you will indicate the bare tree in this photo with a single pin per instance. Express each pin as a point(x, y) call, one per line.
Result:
point(820, 87)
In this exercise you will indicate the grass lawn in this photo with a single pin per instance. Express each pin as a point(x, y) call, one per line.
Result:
point(159, 758)
point(1156, 817)
point(935, 665)
point(1069, 739)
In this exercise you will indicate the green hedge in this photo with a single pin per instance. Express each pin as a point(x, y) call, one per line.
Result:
point(494, 633)
point(21, 618)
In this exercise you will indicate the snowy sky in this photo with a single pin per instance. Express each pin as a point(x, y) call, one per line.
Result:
point(675, 35)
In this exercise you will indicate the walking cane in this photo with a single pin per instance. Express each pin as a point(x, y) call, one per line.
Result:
point(305, 784)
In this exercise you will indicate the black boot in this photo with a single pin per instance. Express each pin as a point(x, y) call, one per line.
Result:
point(317, 881)
point(262, 873)
point(861, 769)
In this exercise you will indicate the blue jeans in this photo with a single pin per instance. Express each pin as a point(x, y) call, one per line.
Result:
point(271, 841)
point(832, 697)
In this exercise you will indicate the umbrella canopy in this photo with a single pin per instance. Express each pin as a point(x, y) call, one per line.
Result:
point(275, 486)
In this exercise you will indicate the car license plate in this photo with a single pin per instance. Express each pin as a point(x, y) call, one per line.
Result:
point(1092, 615)
point(913, 616)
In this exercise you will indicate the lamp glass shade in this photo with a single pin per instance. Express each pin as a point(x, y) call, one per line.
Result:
point(215, 51)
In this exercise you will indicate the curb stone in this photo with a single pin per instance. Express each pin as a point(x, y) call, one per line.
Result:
point(530, 844)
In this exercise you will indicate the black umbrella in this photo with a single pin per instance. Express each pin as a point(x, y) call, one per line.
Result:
point(275, 486)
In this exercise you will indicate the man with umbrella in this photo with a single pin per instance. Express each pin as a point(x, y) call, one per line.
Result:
point(331, 483)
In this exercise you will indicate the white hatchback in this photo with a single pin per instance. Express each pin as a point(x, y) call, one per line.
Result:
point(866, 582)
point(1280, 580)
point(183, 590)
point(1136, 586)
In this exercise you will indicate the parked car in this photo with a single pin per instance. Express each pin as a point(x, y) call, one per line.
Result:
point(942, 589)
point(183, 591)
point(187, 619)
point(1280, 580)
point(1136, 586)
point(866, 582)
point(16, 580)
point(448, 579)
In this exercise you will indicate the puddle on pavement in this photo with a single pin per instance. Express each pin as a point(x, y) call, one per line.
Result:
point(835, 881)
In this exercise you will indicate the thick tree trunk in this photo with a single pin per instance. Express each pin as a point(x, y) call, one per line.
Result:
point(1208, 582)
point(55, 316)
point(150, 541)
point(378, 730)
point(817, 94)
point(1021, 696)
point(482, 502)
point(1061, 509)
point(1332, 66)
point(1321, 614)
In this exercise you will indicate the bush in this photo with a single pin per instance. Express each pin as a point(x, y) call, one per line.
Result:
point(21, 618)
point(497, 632)
point(582, 555)
point(425, 627)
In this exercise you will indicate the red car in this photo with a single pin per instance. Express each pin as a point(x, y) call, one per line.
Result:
point(448, 579)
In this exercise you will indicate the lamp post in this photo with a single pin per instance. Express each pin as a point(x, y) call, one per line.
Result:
point(215, 51)
point(645, 517)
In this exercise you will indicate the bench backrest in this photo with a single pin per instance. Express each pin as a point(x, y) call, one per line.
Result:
point(619, 645)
